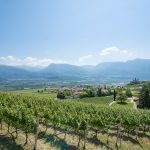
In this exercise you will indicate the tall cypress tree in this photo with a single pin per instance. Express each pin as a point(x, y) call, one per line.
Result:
point(99, 92)
point(114, 95)
point(144, 98)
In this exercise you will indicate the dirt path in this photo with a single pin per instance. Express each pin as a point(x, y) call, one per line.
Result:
point(134, 103)
point(112, 103)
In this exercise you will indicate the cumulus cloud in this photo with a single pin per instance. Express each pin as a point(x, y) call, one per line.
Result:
point(28, 61)
point(115, 54)
point(85, 58)
point(112, 50)
point(108, 51)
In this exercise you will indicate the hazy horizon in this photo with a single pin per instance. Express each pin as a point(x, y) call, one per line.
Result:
point(64, 63)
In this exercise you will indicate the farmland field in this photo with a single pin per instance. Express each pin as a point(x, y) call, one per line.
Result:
point(125, 104)
point(105, 100)
point(35, 93)
point(97, 100)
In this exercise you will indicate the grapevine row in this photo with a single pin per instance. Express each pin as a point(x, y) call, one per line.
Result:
point(20, 111)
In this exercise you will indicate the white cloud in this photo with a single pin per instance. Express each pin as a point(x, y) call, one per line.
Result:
point(124, 51)
point(84, 58)
point(28, 61)
point(116, 54)
point(112, 50)
point(108, 51)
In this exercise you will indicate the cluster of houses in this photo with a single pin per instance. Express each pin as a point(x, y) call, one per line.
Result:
point(76, 91)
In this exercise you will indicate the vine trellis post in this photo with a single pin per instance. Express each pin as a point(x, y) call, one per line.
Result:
point(37, 131)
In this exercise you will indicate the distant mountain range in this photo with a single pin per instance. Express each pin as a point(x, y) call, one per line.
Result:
point(112, 71)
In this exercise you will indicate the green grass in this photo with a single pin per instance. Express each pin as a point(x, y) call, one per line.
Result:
point(135, 93)
point(31, 92)
point(125, 104)
point(134, 85)
point(96, 100)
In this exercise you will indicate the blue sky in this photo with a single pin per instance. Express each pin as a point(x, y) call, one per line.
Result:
point(81, 32)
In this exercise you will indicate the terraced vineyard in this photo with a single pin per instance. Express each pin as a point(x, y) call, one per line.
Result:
point(21, 111)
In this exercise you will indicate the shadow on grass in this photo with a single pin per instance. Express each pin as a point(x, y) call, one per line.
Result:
point(127, 138)
point(62, 130)
point(142, 135)
point(7, 143)
point(55, 141)
point(122, 103)
point(97, 142)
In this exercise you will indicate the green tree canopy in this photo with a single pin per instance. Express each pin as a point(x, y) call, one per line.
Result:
point(129, 93)
point(121, 97)
point(144, 98)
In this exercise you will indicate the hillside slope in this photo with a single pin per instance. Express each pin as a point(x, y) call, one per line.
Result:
point(111, 71)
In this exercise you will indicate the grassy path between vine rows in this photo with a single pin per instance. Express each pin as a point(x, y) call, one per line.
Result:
point(49, 141)
point(129, 103)
point(134, 103)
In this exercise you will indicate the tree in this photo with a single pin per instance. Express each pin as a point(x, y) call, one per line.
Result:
point(91, 93)
point(105, 87)
point(144, 98)
point(114, 95)
point(109, 91)
point(121, 97)
point(99, 92)
point(67, 92)
point(61, 95)
point(105, 92)
point(83, 94)
point(128, 93)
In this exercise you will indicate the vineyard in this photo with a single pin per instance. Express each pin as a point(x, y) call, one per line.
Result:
point(27, 113)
